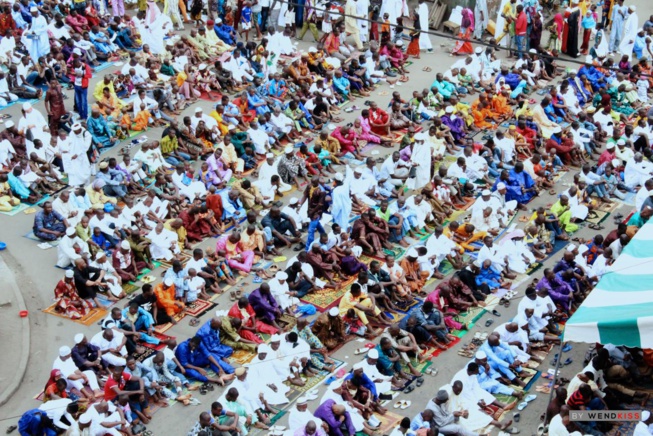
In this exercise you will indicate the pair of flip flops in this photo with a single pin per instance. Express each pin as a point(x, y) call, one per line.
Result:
point(527, 400)
point(402, 404)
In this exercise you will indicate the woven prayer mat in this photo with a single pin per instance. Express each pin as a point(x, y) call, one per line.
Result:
point(16, 210)
point(241, 357)
point(147, 271)
point(468, 203)
point(277, 415)
point(447, 268)
point(314, 381)
point(598, 218)
point(92, 317)
point(470, 317)
point(147, 352)
point(389, 422)
point(185, 257)
point(421, 367)
point(199, 307)
point(167, 326)
point(130, 288)
point(452, 344)
point(325, 299)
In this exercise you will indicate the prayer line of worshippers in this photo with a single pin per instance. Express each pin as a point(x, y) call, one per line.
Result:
point(110, 227)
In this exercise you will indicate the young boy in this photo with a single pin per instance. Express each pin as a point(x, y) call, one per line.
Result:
point(196, 286)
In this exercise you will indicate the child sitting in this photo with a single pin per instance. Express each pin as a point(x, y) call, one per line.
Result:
point(196, 286)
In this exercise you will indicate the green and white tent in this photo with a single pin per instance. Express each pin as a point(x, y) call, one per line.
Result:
point(619, 310)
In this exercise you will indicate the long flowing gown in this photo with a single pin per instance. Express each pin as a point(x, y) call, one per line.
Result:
point(573, 23)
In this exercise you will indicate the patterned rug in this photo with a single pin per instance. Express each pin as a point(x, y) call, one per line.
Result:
point(130, 288)
point(199, 307)
point(92, 317)
point(388, 423)
point(469, 318)
point(165, 327)
point(241, 357)
point(325, 299)
point(185, 257)
point(147, 352)
point(161, 345)
point(314, 381)
point(599, 217)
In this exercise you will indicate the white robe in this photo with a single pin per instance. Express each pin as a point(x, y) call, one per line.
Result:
point(480, 24)
point(424, 38)
point(629, 34)
point(422, 157)
point(74, 157)
point(109, 274)
point(66, 253)
point(422, 211)
point(39, 46)
point(516, 251)
point(341, 202)
point(297, 420)
point(471, 394)
point(636, 174)
point(160, 248)
point(266, 171)
point(193, 189)
point(382, 386)
point(36, 123)
point(281, 294)
point(259, 377)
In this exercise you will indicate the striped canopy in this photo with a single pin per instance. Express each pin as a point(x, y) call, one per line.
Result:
point(619, 310)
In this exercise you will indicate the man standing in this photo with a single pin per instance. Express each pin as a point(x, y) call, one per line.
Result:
point(520, 31)
point(351, 22)
point(37, 35)
point(629, 32)
point(619, 15)
point(82, 74)
point(481, 18)
point(424, 38)
point(54, 105)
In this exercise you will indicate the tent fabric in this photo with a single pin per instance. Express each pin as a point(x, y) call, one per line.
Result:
point(619, 310)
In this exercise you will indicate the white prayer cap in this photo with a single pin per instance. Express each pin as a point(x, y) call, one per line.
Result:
point(70, 273)
point(449, 109)
point(198, 109)
point(124, 245)
point(288, 149)
point(27, 106)
point(70, 231)
point(101, 254)
point(168, 281)
point(312, 50)
point(501, 185)
point(412, 252)
point(275, 338)
point(616, 163)
point(281, 275)
point(610, 146)
point(218, 21)
point(85, 419)
point(373, 353)
point(293, 200)
point(486, 192)
point(640, 30)
point(589, 59)
point(334, 311)
point(202, 67)
point(169, 43)
point(33, 9)
point(79, 337)
point(533, 51)
point(302, 400)
point(76, 126)
point(240, 371)
point(645, 415)
point(571, 247)
point(399, 43)
point(591, 110)
point(231, 127)
point(476, 263)
point(269, 155)
point(621, 142)
point(64, 351)
point(632, 8)
point(103, 165)
point(339, 177)
point(573, 72)
point(9, 124)
point(480, 355)
point(263, 349)
point(479, 50)
point(358, 171)
point(77, 51)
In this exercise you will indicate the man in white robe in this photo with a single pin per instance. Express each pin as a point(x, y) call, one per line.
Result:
point(74, 155)
point(35, 37)
point(187, 187)
point(281, 292)
point(421, 209)
point(421, 161)
point(262, 375)
point(34, 122)
point(164, 243)
point(629, 32)
point(481, 18)
point(209, 122)
point(461, 399)
point(67, 208)
point(341, 205)
point(269, 169)
point(299, 415)
point(637, 172)
point(382, 382)
point(66, 252)
point(424, 37)
point(518, 254)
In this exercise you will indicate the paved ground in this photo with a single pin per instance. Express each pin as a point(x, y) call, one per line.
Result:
point(40, 335)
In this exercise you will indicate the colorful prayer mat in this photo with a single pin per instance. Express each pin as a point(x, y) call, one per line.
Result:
point(199, 307)
point(92, 317)
point(389, 422)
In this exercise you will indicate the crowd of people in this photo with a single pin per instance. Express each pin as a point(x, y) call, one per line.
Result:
point(456, 173)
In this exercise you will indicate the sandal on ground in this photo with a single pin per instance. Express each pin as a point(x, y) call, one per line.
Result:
point(420, 381)
point(489, 322)
point(409, 389)
point(431, 371)
point(193, 322)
